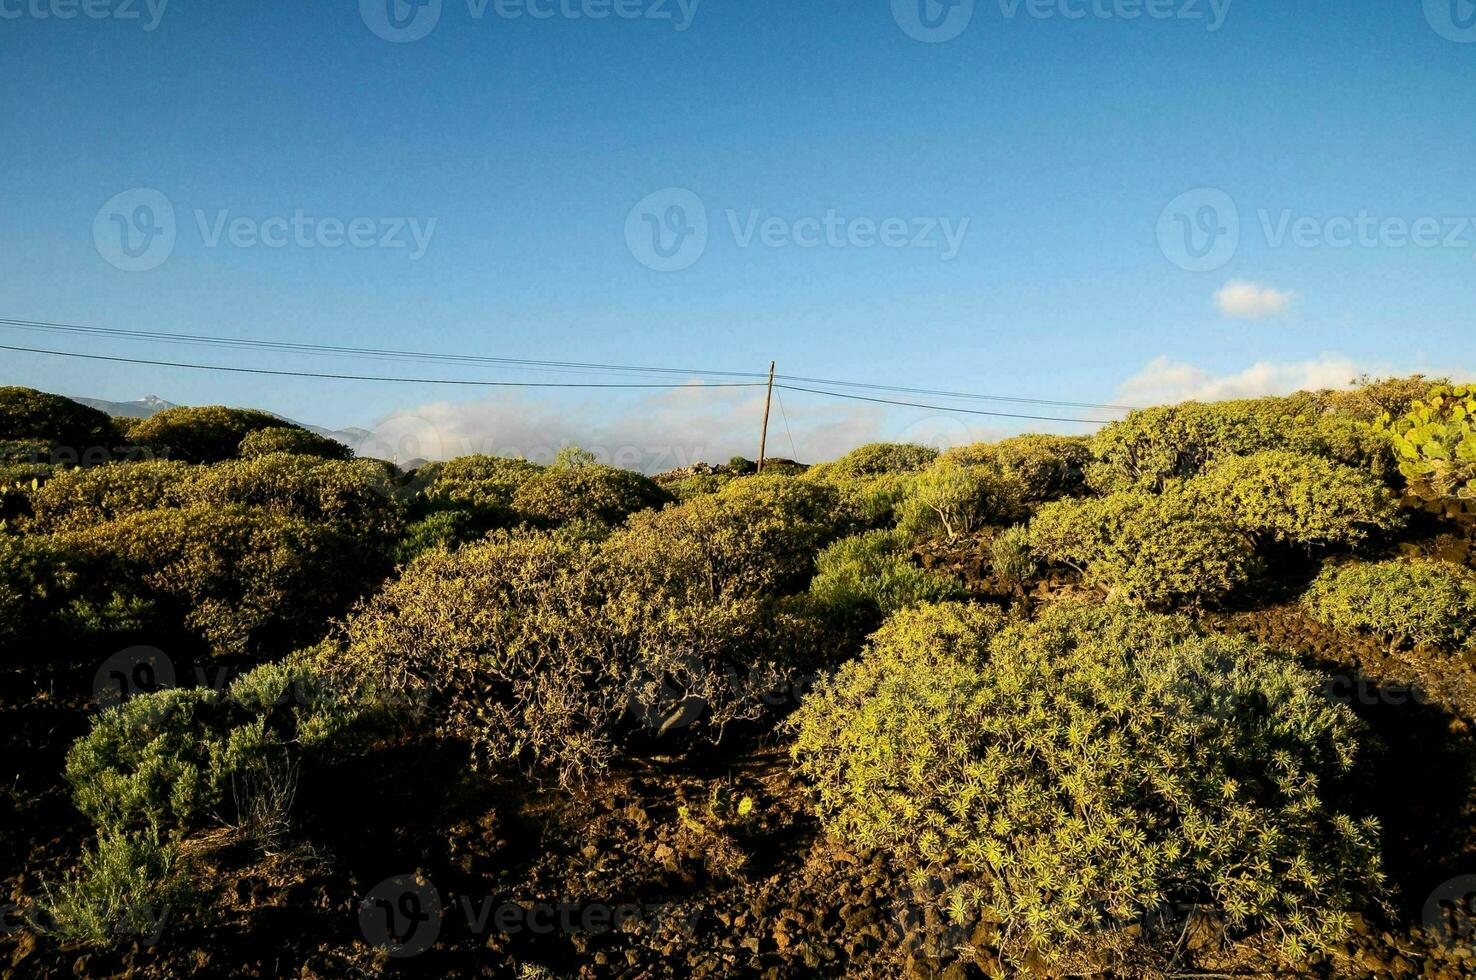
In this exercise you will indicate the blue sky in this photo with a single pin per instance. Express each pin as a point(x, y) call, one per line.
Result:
point(1051, 144)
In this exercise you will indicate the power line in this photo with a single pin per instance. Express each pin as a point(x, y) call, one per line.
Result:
point(365, 377)
point(535, 384)
point(942, 408)
point(562, 366)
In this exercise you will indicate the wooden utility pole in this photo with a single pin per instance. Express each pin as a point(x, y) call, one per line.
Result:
point(764, 435)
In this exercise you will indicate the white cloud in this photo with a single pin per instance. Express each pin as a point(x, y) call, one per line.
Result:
point(1166, 382)
point(656, 432)
point(1252, 301)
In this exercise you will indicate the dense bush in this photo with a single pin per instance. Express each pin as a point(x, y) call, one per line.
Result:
point(352, 497)
point(1416, 601)
point(206, 434)
point(167, 763)
point(37, 579)
point(245, 580)
point(79, 498)
point(586, 492)
point(1292, 498)
point(878, 458)
point(871, 575)
point(53, 421)
point(1144, 548)
point(757, 536)
point(1436, 442)
point(1074, 773)
point(1153, 447)
point(534, 649)
point(1049, 467)
point(288, 439)
point(482, 486)
point(950, 499)
point(874, 479)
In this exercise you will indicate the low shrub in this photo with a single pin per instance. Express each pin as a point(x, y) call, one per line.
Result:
point(80, 498)
point(355, 497)
point(129, 884)
point(758, 536)
point(288, 439)
point(52, 422)
point(1292, 498)
point(208, 434)
point(37, 579)
point(950, 499)
point(440, 529)
point(1048, 467)
point(585, 492)
point(1144, 548)
point(870, 576)
point(535, 650)
point(874, 479)
point(1408, 602)
point(244, 580)
point(1073, 774)
point(1011, 557)
point(482, 486)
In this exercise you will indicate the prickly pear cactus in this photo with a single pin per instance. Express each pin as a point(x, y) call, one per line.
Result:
point(1436, 442)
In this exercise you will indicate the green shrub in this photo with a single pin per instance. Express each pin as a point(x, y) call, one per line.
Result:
point(1436, 442)
point(244, 580)
point(951, 500)
point(585, 492)
point(1011, 557)
point(758, 536)
point(79, 498)
point(351, 497)
point(1292, 498)
point(52, 421)
point(871, 576)
point(206, 434)
point(440, 529)
point(1416, 601)
point(1049, 467)
point(1076, 773)
point(535, 650)
point(288, 439)
point(128, 885)
point(1143, 548)
point(878, 458)
point(481, 485)
point(37, 579)
point(874, 479)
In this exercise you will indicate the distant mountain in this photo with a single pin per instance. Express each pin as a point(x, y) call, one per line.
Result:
point(140, 409)
point(148, 405)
